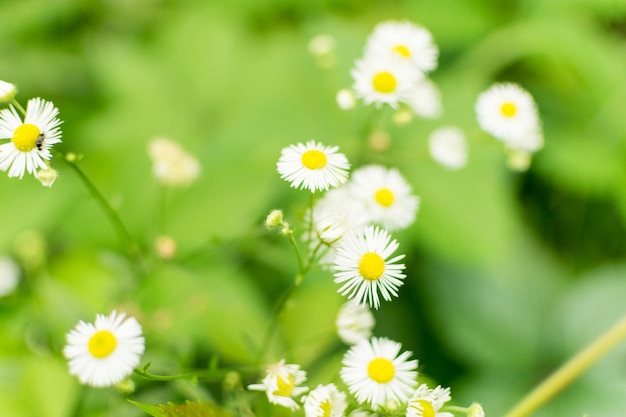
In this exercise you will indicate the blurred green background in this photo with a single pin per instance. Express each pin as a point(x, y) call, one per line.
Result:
point(509, 273)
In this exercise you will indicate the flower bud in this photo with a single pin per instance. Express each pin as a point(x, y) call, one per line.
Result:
point(7, 91)
point(47, 176)
point(345, 99)
point(274, 219)
point(475, 410)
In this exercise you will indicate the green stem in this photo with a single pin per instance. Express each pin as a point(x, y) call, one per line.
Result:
point(131, 247)
point(18, 106)
point(211, 374)
point(570, 370)
point(301, 267)
point(455, 409)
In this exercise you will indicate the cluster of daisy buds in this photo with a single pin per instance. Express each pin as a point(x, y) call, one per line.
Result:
point(31, 134)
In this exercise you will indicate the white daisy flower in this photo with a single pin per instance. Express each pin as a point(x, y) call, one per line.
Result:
point(313, 166)
point(386, 196)
point(508, 112)
point(375, 372)
point(171, 165)
point(104, 353)
point(424, 99)
point(31, 139)
point(9, 275)
point(427, 402)
point(354, 323)
point(281, 384)
point(325, 401)
point(7, 91)
point(405, 40)
point(384, 80)
point(362, 266)
point(448, 147)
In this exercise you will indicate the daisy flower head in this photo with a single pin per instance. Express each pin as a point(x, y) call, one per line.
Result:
point(384, 80)
point(354, 323)
point(31, 139)
point(427, 402)
point(7, 91)
point(361, 264)
point(405, 40)
point(376, 372)
point(281, 384)
point(507, 111)
point(313, 166)
point(386, 196)
point(448, 147)
point(325, 401)
point(104, 353)
point(171, 165)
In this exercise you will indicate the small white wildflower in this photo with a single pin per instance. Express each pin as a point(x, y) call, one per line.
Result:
point(171, 165)
point(354, 323)
point(281, 384)
point(448, 147)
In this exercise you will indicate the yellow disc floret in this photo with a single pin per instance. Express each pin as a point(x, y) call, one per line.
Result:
point(381, 370)
point(384, 82)
point(402, 50)
point(25, 137)
point(384, 197)
point(326, 408)
point(508, 109)
point(102, 344)
point(285, 386)
point(371, 266)
point(314, 159)
point(425, 408)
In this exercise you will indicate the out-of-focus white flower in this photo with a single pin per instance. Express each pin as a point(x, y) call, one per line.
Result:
point(9, 275)
point(325, 401)
point(448, 147)
point(7, 91)
point(345, 99)
point(171, 165)
point(384, 80)
point(424, 99)
point(354, 323)
point(404, 40)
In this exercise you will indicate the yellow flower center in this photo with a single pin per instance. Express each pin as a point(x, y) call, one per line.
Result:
point(427, 409)
point(384, 197)
point(326, 408)
point(371, 266)
point(384, 82)
point(508, 109)
point(285, 386)
point(381, 370)
point(25, 137)
point(102, 344)
point(314, 159)
point(402, 50)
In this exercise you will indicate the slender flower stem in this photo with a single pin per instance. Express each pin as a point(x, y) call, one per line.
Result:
point(18, 106)
point(570, 370)
point(296, 248)
point(455, 409)
point(122, 231)
point(211, 374)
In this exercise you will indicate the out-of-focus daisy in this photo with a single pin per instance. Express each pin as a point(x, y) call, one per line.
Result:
point(386, 195)
point(313, 166)
point(448, 147)
point(31, 140)
point(361, 264)
point(345, 99)
point(171, 165)
point(104, 353)
point(375, 372)
point(325, 401)
point(7, 91)
point(383, 80)
point(281, 384)
point(424, 99)
point(508, 112)
point(405, 40)
point(427, 402)
point(354, 323)
point(9, 275)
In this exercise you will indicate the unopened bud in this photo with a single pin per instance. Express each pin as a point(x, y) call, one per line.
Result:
point(165, 247)
point(274, 219)
point(47, 176)
point(475, 410)
point(345, 99)
point(7, 91)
